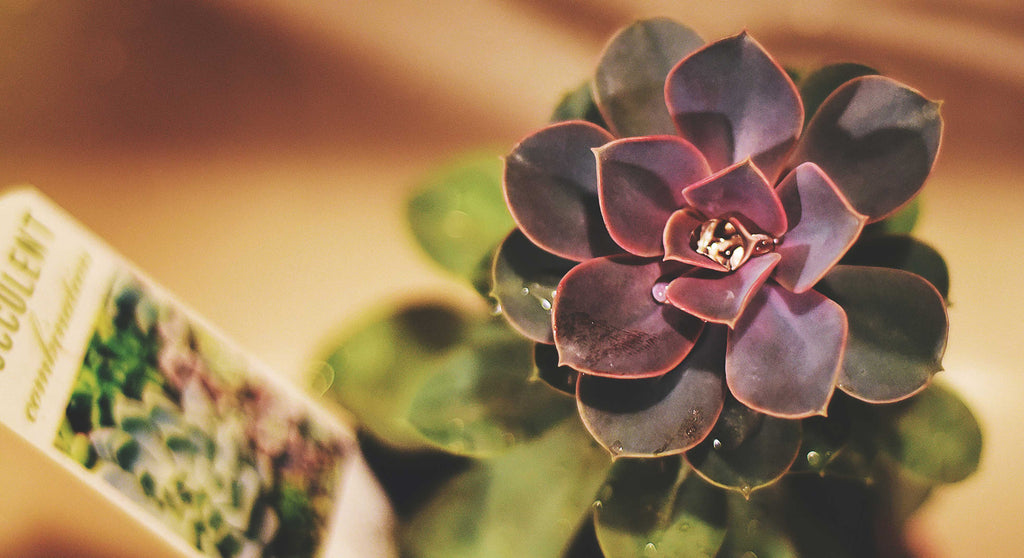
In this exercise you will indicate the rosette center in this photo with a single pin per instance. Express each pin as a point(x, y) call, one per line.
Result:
point(729, 242)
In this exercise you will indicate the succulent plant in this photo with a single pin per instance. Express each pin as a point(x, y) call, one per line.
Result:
point(702, 251)
point(713, 252)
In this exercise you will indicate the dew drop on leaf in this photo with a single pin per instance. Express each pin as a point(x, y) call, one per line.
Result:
point(717, 444)
point(616, 447)
point(650, 549)
point(814, 459)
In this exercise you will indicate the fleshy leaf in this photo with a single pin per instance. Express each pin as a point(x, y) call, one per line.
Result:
point(654, 507)
point(678, 234)
point(578, 104)
point(718, 297)
point(877, 140)
point(746, 450)
point(933, 435)
point(825, 438)
point(902, 252)
point(758, 528)
point(607, 321)
point(377, 369)
point(526, 502)
point(819, 84)
point(641, 181)
point(785, 352)
point(459, 214)
point(733, 101)
point(822, 227)
point(630, 81)
point(740, 190)
point(551, 190)
point(898, 325)
point(665, 414)
point(479, 401)
point(902, 221)
point(524, 282)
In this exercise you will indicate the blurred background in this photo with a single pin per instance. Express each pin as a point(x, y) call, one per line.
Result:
point(254, 156)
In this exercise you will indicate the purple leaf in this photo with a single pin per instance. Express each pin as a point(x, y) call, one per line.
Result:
point(641, 181)
point(661, 415)
point(678, 235)
point(718, 297)
point(524, 280)
point(629, 85)
point(898, 328)
point(733, 101)
point(822, 223)
point(740, 190)
point(784, 354)
point(608, 323)
point(877, 140)
point(746, 450)
point(551, 190)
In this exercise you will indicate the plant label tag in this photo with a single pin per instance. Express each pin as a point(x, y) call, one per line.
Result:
point(133, 427)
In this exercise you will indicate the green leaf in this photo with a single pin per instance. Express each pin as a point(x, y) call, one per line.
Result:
point(482, 399)
point(902, 252)
point(459, 214)
point(527, 502)
point(629, 84)
point(524, 282)
point(757, 527)
point(377, 368)
point(654, 507)
point(819, 84)
point(897, 331)
point(932, 435)
point(901, 222)
point(746, 450)
point(578, 104)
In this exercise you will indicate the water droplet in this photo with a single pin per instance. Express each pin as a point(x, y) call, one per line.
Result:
point(496, 309)
point(545, 304)
point(814, 459)
point(745, 490)
point(650, 549)
point(322, 378)
point(660, 292)
point(749, 554)
point(717, 444)
point(525, 291)
point(616, 447)
point(597, 505)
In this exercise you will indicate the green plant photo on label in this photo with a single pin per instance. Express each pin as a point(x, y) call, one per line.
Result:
point(227, 463)
point(710, 331)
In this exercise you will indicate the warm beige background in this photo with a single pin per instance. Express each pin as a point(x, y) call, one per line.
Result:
point(253, 156)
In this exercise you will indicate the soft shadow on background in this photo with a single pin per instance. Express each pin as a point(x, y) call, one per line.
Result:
point(253, 156)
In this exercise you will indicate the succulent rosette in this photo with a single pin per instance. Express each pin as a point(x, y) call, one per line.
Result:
point(711, 259)
point(687, 243)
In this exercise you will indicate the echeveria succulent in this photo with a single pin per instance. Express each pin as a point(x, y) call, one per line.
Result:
point(688, 248)
point(700, 269)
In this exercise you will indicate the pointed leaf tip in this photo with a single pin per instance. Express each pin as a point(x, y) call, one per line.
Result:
point(733, 101)
point(877, 139)
point(629, 83)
